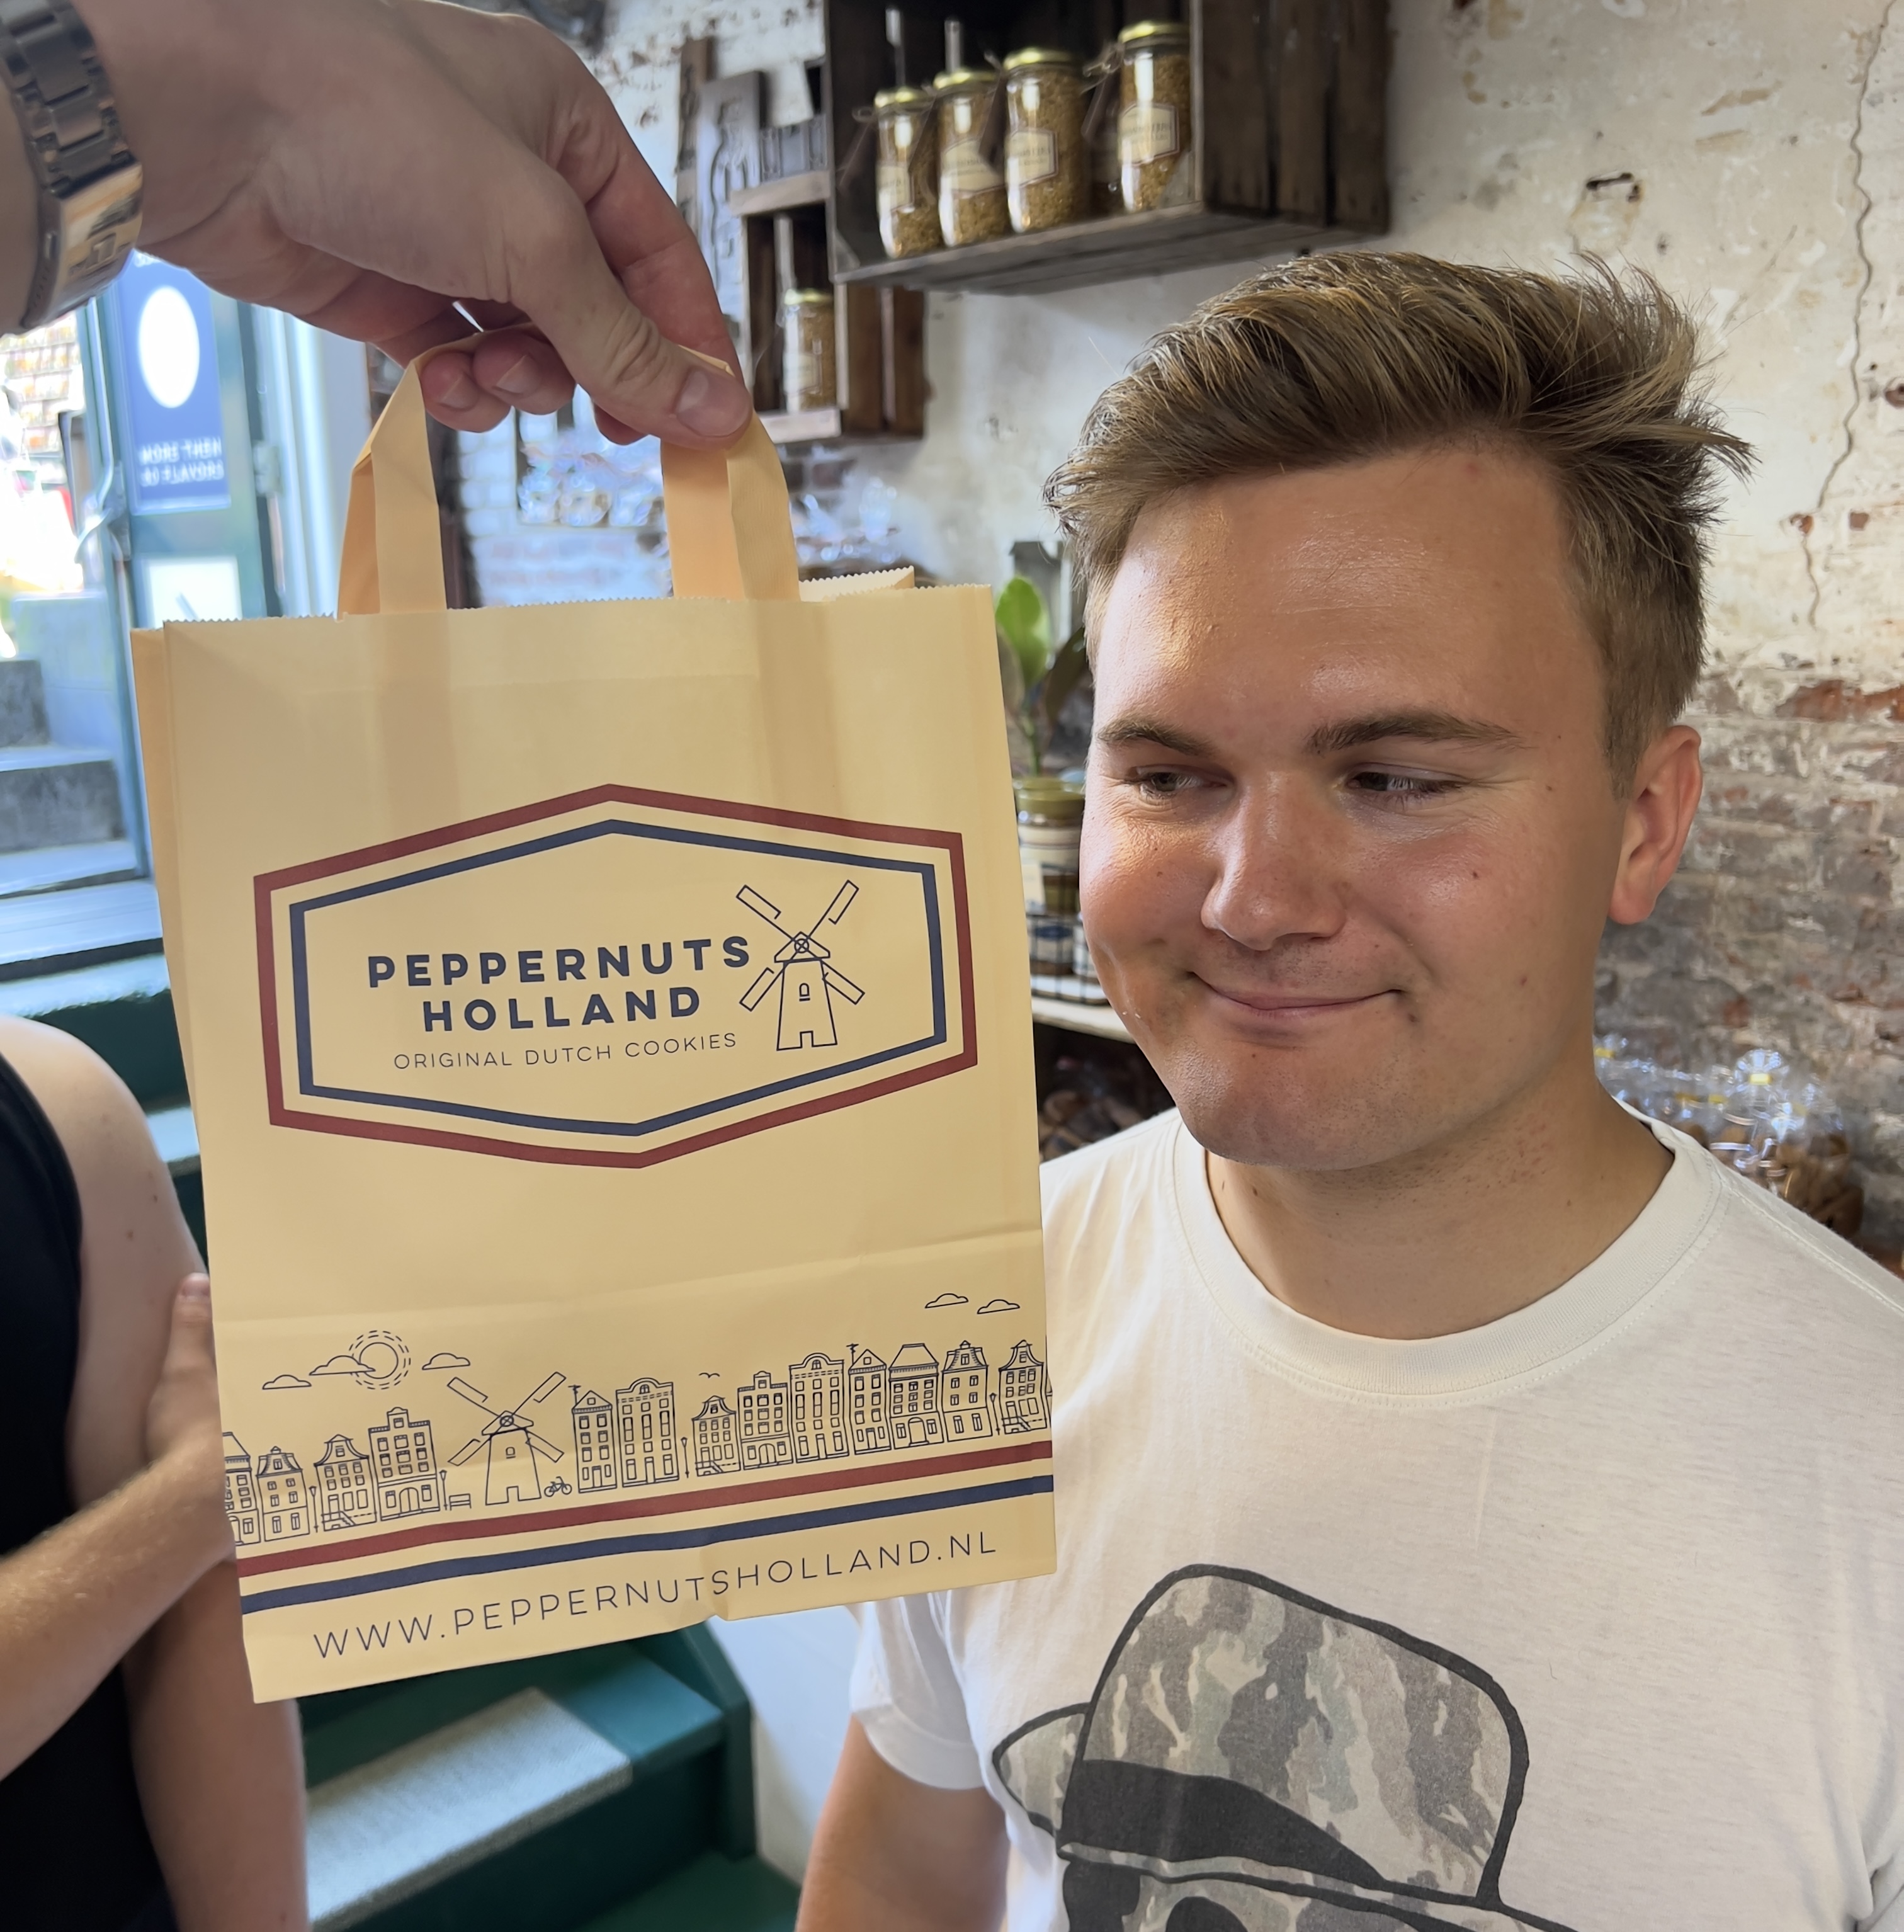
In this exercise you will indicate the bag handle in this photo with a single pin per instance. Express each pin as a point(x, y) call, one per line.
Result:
point(392, 558)
point(729, 528)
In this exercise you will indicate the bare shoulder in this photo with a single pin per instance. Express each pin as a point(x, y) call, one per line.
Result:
point(134, 1247)
point(86, 1101)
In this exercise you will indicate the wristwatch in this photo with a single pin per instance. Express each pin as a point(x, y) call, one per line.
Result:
point(90, 186)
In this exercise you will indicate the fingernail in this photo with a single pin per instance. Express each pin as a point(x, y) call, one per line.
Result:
point(711, 405)
point(518, 379)
point(462, 394)
point(196, 1288)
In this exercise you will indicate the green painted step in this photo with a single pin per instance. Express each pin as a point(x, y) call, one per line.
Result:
point(523, 1795)
point(617, 1687)
point(712, 1894)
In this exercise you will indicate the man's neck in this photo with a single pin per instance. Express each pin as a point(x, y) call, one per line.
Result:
point(1455, 1236)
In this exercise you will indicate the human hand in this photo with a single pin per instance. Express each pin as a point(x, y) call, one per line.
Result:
point(369, 164)
point(184, 1434)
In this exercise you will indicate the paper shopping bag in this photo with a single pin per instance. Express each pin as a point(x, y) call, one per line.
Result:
point(609, 1033)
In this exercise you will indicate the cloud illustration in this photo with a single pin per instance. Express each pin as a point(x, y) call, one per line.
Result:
point(1001, 1306)
point(946, 1300)
point(340, 1365)
point(447, 1360)
point(287, 1381)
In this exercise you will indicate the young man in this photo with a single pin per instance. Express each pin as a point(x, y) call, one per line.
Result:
point(1477, 1508)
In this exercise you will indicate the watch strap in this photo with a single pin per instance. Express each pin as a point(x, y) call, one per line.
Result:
point(91, 185)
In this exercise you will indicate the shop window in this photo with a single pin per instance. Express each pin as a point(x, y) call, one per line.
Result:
point(169, 453)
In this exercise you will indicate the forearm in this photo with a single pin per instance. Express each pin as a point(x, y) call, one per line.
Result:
point(221, 1778)
point(73, 1601)
point(874, 1896)
point(893, 1855)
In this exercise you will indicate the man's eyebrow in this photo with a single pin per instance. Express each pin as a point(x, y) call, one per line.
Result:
point(1434, 727)
point(1141, 730)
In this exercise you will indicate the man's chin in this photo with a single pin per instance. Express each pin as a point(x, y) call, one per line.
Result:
point(1299, 1131)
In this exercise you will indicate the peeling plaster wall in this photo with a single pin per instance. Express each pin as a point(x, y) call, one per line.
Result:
point(1750, 153)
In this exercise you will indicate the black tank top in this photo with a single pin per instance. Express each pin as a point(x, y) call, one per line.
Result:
point(74, 1855)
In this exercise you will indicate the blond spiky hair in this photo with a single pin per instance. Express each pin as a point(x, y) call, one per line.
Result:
point(1340, 358)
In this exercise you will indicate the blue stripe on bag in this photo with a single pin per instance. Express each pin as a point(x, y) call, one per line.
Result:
point(629, 1546)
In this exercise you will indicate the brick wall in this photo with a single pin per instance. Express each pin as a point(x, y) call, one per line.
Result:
point(1780, 930)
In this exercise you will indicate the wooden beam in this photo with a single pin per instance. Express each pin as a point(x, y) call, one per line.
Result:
point(1237, 157)
point(696, 69)
point(1299, 44)
point(1358, 193)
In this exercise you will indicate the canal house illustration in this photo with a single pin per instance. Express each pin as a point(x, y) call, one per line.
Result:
point(340, 1486)
point(828, 1408)
point(1024, 1394)
point(716, 1451)
point(241, 1492)
point(403, 1461)
point(912, 1398)
point(964, 1394)
point(803, 970)
point(872, 1433)
point(282, 1502)
point(592, 1421)
point(762, 1429)
point(514, 1453)
point(644, 1433)
point(816, 1392)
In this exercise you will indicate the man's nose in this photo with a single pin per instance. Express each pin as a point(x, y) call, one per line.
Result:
point(1278, 866)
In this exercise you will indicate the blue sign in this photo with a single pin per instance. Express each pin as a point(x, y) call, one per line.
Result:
point(175, 439)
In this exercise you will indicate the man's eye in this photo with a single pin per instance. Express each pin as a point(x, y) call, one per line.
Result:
point(1400, 784)
point(1161, 784)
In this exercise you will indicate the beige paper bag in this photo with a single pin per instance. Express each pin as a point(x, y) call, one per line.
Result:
point(609, 1033)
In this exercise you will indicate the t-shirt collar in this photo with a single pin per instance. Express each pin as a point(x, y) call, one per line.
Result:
point(1580, 1314)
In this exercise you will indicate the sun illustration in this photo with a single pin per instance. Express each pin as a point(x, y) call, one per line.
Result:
point(383, 1360)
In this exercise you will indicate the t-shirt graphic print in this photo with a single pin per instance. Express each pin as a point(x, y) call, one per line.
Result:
point(1253, 1760)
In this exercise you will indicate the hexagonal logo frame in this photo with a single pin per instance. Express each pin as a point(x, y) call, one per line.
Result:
point(615, 977)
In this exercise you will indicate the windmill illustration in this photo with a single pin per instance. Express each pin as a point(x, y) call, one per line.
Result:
point(803, 971)
point(514, 1474)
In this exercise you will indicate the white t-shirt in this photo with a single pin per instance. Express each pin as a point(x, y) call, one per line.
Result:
point(1592, 1618)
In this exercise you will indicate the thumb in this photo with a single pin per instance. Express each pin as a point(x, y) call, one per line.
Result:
point(611, 346)
point(189, 1348)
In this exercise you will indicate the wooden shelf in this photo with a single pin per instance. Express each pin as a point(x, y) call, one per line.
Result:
point(1117, 248)
point(1286, 134)
point(1075, 1017)
point(776, 197)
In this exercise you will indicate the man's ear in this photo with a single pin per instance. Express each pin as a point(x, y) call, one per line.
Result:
point(1665, 794)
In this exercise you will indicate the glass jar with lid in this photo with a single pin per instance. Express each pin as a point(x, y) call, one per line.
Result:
point(1154, 165)
point(906, 121)
point(810, 366)
point(971, 190)
point(1047, 168)
point(1050, 825)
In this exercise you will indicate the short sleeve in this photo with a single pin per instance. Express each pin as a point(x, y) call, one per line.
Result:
point(907, 1696)
point(1888, 1893)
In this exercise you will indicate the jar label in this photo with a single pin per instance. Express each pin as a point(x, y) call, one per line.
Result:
point(1147, 131)
point(806, 370)
point(895, 188)
point(964, 169)
point(1047, 860)
point(1031, 154)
